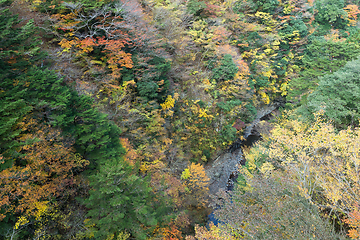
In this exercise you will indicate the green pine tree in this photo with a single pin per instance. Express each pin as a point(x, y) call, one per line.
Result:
point(226, 70)
point(120, 200)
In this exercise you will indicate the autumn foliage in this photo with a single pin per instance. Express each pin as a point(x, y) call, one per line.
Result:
point(111, 112)
point(40, 181)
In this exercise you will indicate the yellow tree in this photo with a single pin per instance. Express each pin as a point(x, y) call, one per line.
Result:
point(211, 233)
point(196, 128)
point(196, 183)
point(323, 161)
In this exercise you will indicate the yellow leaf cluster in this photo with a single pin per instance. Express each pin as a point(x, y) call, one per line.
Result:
point(196, 181)
point(20, 222)
point(168, 105)
point(319, 157)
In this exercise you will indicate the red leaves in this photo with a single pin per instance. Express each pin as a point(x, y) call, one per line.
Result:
point(211, 10)
point(110, 29)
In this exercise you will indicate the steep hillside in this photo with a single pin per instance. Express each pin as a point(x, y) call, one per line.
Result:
point(112, 110)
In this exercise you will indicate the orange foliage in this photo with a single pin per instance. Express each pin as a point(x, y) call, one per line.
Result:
point(112, 44)
point(225, 49)
point(243, 67)
point(311, 2)
point(220, 33)
point(354, 222)
point(287, 17)
point(131, 154)
point(211, 10)
point(115, 57)
point(352, 11)
point(172, 233)
point(45, 172)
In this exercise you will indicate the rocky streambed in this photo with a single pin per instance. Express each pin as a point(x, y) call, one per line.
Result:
point(223, 170)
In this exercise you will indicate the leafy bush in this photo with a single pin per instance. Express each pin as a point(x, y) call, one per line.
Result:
point(266, 5)
point(229, 105)
point(226, 70)
point(195, 7)
point(272, 209)
point(147, 89)
point(295, 24)
point(338, 94)
point(322, 57)
point(152, 82)
point(228, 133)
point(250, 114)
point(331, 12)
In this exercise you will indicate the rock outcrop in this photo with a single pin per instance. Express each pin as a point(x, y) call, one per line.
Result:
point(223, 166)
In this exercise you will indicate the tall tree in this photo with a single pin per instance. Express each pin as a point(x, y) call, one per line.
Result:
point(41, 179)
point(322, 161)
point(120, 200)
point(338, 94)
point(271, 209)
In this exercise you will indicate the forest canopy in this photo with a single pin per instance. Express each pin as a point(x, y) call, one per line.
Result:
point(114, 115)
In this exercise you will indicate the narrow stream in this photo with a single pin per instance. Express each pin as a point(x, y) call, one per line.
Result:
point(249, 142)
point(252, 136)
